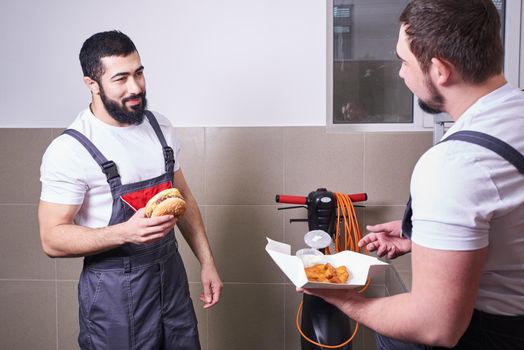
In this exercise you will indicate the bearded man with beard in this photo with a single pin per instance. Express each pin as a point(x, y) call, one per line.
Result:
point(464, 223)
point(96, 179)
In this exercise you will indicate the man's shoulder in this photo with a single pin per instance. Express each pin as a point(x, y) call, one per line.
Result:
point(167, 129)
point(65, 146)
point(80, 123)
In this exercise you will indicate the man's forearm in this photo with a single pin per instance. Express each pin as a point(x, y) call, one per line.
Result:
point(69, 240)
point(192, 228)
point(191, 224)
point(400, 317)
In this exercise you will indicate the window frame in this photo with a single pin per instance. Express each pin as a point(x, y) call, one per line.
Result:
point(418, 114)
point(513, 70)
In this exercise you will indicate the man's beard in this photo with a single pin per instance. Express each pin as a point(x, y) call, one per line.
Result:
point(426, 108)
point(436, 103)
point(120, 112)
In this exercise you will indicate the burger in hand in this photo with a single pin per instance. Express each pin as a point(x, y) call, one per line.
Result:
point(166, 202)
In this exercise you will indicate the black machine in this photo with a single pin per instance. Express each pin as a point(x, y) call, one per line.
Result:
point(321, 322)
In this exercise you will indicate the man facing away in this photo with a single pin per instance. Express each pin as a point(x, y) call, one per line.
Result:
point(466, 218)
point(96, 178)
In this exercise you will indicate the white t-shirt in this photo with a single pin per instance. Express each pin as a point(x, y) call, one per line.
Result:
point(70, 175)
point(466, 197)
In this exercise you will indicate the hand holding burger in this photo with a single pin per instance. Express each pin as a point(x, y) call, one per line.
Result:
point(166, 202)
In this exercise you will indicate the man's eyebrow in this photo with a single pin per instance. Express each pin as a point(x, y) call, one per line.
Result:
point(125, 74)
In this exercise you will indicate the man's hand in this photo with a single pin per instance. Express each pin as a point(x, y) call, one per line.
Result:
point(140, 229)
point(385, 240)
point(341, 298)
point(212, 285)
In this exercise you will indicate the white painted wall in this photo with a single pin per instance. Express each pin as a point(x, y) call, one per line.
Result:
point(207, 63)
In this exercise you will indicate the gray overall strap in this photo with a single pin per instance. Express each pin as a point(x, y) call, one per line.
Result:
point(492, 143)
point(169, 156)
point(108, 166)
point(498, 146)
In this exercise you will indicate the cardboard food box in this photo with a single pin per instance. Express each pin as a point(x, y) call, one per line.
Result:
point(360, 266)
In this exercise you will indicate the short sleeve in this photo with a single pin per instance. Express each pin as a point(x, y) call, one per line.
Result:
point(453, 200)
point(61, 173)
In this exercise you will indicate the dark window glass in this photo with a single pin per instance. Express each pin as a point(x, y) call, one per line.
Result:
point(366, 86)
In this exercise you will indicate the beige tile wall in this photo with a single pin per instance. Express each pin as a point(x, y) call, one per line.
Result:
point(234, 174)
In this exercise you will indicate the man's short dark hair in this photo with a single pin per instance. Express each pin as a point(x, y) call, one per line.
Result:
point(104, 44)
point(465, 33)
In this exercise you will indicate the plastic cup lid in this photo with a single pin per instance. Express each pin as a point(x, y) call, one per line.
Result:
point(317, 239)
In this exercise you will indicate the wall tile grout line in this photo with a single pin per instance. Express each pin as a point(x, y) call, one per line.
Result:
point(26, 280)
point(283, 223)
point(284, 158)
point(206, 201)
point(364, 189)
point(56, 303)
point(364, 142)
point(284, 314)
point(19, 204)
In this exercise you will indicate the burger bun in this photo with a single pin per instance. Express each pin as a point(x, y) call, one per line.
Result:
point(166, 202)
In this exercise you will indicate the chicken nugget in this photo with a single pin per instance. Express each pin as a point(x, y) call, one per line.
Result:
point(327, 273)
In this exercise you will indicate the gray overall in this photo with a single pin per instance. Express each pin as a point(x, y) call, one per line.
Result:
point(135, 296)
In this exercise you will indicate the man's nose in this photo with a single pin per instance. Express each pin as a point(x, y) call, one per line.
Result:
point(133, 86)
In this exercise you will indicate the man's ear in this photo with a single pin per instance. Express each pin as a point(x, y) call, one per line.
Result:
point(441, 71)
point(92, 85)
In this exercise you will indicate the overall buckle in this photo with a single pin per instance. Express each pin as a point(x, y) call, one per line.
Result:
point(169, 155)
point(109, 168)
